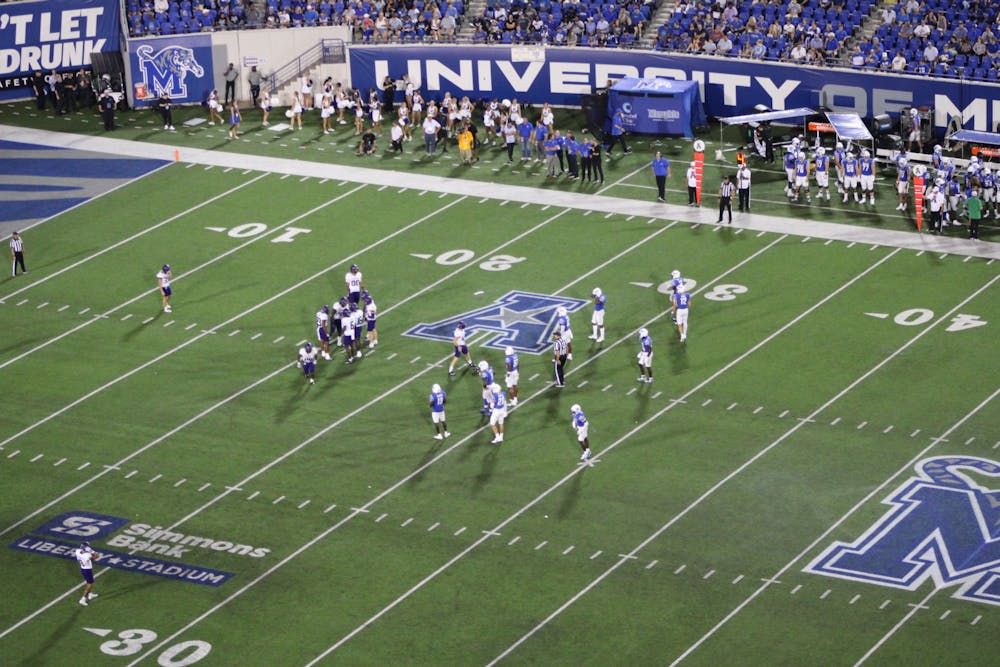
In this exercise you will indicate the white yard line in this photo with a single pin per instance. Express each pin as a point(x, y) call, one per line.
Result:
point(884, 638)
point(138, 234)
point(204, 265)
point(878, 491)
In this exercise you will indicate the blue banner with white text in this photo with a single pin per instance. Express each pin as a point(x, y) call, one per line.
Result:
point(729, 86)
point(179, 66)
point(52, 35)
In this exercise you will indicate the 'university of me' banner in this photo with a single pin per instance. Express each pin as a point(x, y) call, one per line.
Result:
point(52, 35)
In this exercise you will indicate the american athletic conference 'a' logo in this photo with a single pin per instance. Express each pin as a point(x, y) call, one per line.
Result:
point(523, 320)
point(943, 526)
point(166, 70)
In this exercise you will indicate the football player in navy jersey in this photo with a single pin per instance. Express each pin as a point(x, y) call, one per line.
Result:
point(563, 326)
point(676, 279)
point(461, 348)
point(866, 165)
point(582, 428)
point(513, 373)
point(822, 172)
point(597, 319)
point(486, 374)
point(902, 182)
point(437, 400)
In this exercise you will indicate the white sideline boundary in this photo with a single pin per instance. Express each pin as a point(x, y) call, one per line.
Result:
point(514, 193)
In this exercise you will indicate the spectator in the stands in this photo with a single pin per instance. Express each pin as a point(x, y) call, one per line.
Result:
point(888, 15)
point(922, 30)
point(794, 9)
point(798, 53)
point(724, 45)
point(960, 33)
point(930, 52)
point(898, 62)
point(758, 50)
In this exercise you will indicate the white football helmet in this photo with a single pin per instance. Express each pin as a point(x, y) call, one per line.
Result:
point(820, 151)
point(495, 388)
point(795, 141)
point(902, 162)
point(840, 145)
point(643, 332)
point(866, 153)
point(573, 409)
point(597, 291)
point(801, 155)
point(483, 366)
point(681, 289)
point(508, 350)
point(935, 190)
point(946, 161)
point(675, 274)
point(937, 148)
point(987, 170)
point(561, 311)
point(436, 388)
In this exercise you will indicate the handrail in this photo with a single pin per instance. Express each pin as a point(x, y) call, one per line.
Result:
point(326, 51)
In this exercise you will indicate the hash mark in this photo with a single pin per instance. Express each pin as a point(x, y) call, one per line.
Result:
point(759, 408)
point(541, 544)
point(806, 239)
point(828, 242)
point(14, 453)
point(737, 580)
point(41, 305)
point(169, 323)
point(532, 377)
point(63, 308)
point(526, 204)
point(732, 406)
point(204, 486)
point(634, 389)
point(253, 495)
point(582, 384)
point(657, 394)
point(596, 554)
point(406, 523)
point(327, 510)
point(835, 421)
point(59, 462)
point(914, 434)
point(851, 244)
point(414, 360)
point(37, 456)
point(256, 336)
point(943, 255)
point(969, 441)
point(546, 207)
point(568, 549)
point(967, 259)
point(862, 425)
point(608, 387)
point(83, 311)
point(652, 564)
point(782, 415)
point(921, 253)
point(179, 482)
point(708, 574)
point(680, 569)
point(945, 615)
point(190, 326)
point(796, 589)
point(976, 619)
point(513, 541)
point(884, 604)
point(381, 516)
point(391, 356)
point(855, 599)
point(761, 234)
point(887, 428)
point(148, 320)
point(705, 404)
point(131, 474)
point(587, 212)
point(277, 500)
point(155, 478)
point(84, 465)
point(608, 216)
point(233, 332)
point(433, 526)
point(827, 592)
point(22, 302)
point(422, 193)
point(126, 317)
point(277, 340)
point(459, 531)
point(874, 247)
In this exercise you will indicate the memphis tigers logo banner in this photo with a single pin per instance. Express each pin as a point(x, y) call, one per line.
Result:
point(943, 526)
point(522, 320)
point(176, 66)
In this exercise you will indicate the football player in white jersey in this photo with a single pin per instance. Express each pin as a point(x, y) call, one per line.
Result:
point(370, 314)
point(597, 319)
point(323, 331)
point(307, 362)
point(163, 278)
point(357, 321)
point(354, 284)
point(347, 333)
point(461, 348)
point(498, 412)
point(86, 556)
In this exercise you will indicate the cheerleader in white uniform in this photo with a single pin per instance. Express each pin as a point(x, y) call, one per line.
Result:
point(265, 105)
point(214, 107)
point(307, 93)
point(296, 111)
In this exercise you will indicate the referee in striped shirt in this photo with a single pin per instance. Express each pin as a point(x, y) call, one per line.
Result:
point(16, 254)
point(726, 199)
point(560, 352)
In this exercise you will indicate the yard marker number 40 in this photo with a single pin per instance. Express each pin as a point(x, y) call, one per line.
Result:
point(917, 316)
point(133, 640)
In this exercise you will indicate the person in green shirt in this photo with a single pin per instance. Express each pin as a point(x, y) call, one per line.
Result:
point(974, 205)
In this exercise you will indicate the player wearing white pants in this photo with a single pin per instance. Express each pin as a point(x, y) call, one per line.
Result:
point(498, 412)
point(582, 428)
point(597, 319)
point(645, 356)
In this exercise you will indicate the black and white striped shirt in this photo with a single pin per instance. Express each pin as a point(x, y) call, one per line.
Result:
point(559, 346)
point(726, 190)
point(17, 245)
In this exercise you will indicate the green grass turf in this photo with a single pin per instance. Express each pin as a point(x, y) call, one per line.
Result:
point(627, 176)
point(207, 425)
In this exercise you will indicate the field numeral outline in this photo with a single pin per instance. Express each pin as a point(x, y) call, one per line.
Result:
point(916, 316)
point(132, 640)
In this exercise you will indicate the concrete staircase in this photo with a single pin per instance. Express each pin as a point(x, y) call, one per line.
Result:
point(663, 12)
point(473, 9)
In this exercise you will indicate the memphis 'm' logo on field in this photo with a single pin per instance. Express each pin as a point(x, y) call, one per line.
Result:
point(523, 320)
point(166, 70)
point(944, 526)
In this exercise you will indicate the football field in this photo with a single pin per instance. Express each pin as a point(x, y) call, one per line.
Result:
point(736, 510)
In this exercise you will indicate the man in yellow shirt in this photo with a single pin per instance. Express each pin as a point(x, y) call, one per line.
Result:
point(465, 145)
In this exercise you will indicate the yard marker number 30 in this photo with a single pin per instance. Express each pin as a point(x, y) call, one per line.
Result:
point(133, 640)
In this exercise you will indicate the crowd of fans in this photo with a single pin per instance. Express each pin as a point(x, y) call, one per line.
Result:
point(934, 37)
point(594, 23)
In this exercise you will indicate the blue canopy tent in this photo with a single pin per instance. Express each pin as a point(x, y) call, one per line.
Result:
point(657, 106)
point(850, 126)
point(978, 140)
